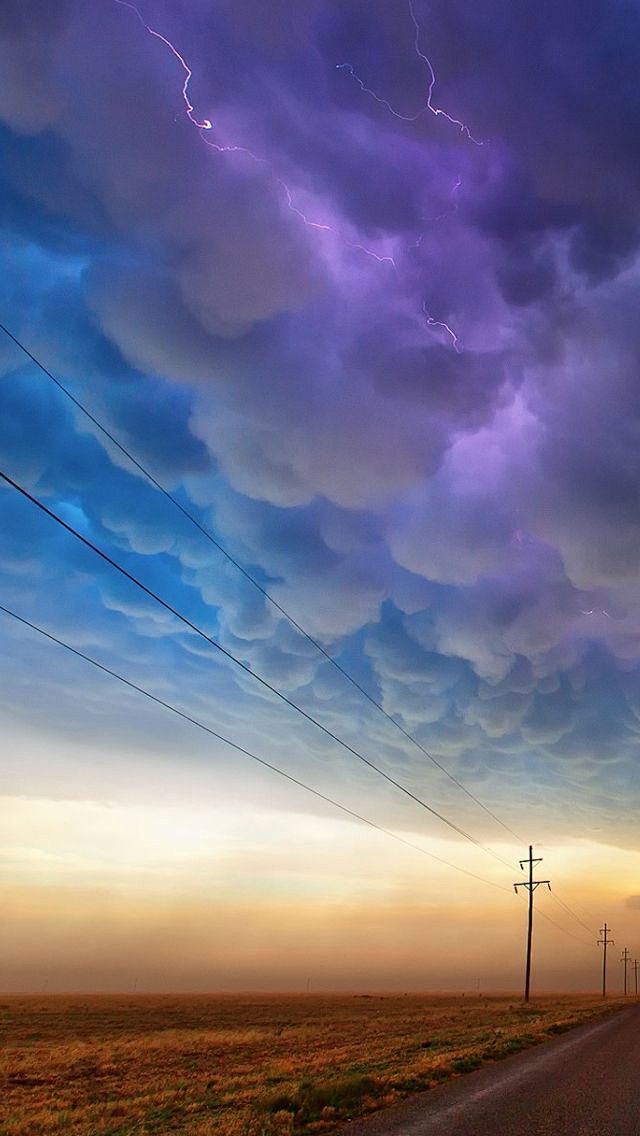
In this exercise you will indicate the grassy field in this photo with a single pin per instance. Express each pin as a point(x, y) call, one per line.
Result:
point(254, 1065)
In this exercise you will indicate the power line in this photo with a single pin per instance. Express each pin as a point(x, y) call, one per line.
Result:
point(267, 764)
point(248, 576)
point(571, 912)
point(558, 927)
point(243, 666)
point(298, 627)
point(241, 749)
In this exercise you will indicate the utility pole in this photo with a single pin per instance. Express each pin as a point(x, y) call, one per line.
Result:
point(625, 960)
point(531, 886)
point(636, 964)
point(604, 942)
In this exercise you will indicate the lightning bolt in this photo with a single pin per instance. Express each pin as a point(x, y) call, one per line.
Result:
point(453, 198)
point(437, 111)
point(431, 322)
point(350, 70)
point(429, 106)
point(320, 226)
point(204, 125)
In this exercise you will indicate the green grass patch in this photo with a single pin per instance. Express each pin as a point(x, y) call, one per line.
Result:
point(308, 1102)
point(466, 1064)
point(510, 1045)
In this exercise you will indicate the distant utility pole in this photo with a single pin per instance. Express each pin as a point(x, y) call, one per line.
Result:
point(636, 964)
point(605, 942)
point(531, 886)
point(625, 960)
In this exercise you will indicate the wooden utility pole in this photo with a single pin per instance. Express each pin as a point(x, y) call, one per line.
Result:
point(625, 960)
point(636, 964)
point(531, 886)
point(605, 942)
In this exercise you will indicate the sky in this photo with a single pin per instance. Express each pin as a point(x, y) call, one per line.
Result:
point(356, 284)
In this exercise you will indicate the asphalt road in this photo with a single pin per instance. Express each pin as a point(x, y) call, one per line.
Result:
point(585, 1083)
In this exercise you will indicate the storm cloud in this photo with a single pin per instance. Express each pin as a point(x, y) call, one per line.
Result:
point(390, 363)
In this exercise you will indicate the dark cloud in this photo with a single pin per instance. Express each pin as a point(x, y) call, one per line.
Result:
point(528, 272)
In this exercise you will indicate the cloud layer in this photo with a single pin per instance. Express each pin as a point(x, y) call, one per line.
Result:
point(391, 366)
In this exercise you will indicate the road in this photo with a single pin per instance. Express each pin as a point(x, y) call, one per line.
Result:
point(586, 1083)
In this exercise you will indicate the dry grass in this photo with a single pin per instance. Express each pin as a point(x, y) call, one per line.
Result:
point(254, 1065)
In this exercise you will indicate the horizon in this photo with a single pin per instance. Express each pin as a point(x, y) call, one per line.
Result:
point(516, 995)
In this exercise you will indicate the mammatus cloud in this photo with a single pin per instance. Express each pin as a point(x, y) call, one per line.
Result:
point(264, 324)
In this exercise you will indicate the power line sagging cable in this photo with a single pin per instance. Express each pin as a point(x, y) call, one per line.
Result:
point(558, 927)
point(241, 749)
point(243, 666)
point(572, 913)
point(267, 764)
point(298, 627)
point(248, 576)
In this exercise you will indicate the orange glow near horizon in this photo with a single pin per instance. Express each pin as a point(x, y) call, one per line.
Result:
point(121, 897)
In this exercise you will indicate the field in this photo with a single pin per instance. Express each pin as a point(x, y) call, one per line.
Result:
point(253, 1065)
